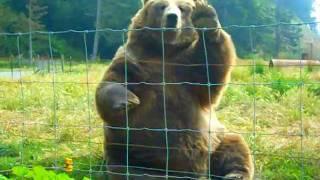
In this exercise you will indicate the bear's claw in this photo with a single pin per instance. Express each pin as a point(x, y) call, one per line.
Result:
point(132, 102)
point(235, 176)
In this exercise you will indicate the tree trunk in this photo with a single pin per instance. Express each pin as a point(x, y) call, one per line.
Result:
point(278, 38)
point(30, 29)
point(97, 34)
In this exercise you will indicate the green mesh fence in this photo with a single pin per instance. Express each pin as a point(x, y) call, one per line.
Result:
point(50, 115)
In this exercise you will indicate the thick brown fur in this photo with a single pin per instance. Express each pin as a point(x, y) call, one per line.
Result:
point(166, 126)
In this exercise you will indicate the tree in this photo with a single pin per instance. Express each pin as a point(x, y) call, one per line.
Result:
point(268, 41)
point(60, 15)
point(97, 34)
point(278, 40)
point(301, 8)
point(118, 15)
point(35, 13)
point(10, 21)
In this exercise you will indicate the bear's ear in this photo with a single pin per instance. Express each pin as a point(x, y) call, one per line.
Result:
point(201, 1)
point(144, 2)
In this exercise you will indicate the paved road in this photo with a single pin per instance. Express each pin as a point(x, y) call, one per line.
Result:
point(15, 74)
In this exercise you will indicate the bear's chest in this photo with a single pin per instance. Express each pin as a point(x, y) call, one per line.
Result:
point(174, 71)
point(166, 93)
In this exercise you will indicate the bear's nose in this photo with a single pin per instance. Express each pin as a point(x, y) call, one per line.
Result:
point(172, 20)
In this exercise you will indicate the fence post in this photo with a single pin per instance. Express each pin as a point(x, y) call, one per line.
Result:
point(33, 63)
point(54, 64)
point(70, 63)
point(11, 66)
point(19, 61)
point(62, 63)
point(39, 64)
point(48, 65)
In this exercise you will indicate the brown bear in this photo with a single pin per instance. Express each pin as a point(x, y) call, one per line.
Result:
point(158, 97)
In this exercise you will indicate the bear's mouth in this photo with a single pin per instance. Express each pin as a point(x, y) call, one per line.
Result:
point(171, 25)
point(170, 36)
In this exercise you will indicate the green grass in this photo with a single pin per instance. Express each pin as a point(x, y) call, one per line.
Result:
point(34, 132)
point(51, 133)
point(278, 98)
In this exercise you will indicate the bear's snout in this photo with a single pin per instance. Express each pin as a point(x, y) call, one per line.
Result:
point(171, 16)
point(172, 20)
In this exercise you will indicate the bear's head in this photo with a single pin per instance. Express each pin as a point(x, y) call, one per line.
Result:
point(175, 16)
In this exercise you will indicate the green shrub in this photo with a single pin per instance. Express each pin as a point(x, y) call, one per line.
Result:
point(36, 173)
point(315, 89)
point(260, 92)
point(259, 68)
point(3, 177)
point(281, 83)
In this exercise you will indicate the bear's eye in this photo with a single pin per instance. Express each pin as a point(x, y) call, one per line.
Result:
point(162, 7)
point(183, 8)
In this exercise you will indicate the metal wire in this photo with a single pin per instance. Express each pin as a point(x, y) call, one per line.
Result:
point(301, 119)
point(209, 98)
point(164, 104)
point(127, 108)
point(54, 102)
point(88, 102)
point(22, 102)
point(254, 118)
point(160, 29)
point(169, 130)
point(167, 83)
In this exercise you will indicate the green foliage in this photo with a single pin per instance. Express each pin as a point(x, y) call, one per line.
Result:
point(281, 85)
point(8, 150)
point(258, 68)
point(38, 173)
point(281, 82)
point(290, 168)
point(3, 177)
point(61, 47)
point(315, 88)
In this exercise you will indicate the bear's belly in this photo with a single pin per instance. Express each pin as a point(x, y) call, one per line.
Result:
point(186, 157)
point(185, 141)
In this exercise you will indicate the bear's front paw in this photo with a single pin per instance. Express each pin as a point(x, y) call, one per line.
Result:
point(237, 176)
point(234, 176)
point(122, 104)
point(205, 16)
point(118, 97)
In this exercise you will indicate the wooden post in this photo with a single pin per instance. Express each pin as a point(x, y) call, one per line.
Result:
point(70, 63)
point(311, 50)
point(62, 63)
point(11, 66)
point(49, 61)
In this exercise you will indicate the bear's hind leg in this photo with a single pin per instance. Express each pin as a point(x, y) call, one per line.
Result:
point(135, 174)
point(232, 159)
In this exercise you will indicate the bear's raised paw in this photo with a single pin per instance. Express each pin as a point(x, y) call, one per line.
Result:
point(205, 16)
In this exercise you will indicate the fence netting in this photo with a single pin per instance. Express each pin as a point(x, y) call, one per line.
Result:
point(48, 113)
